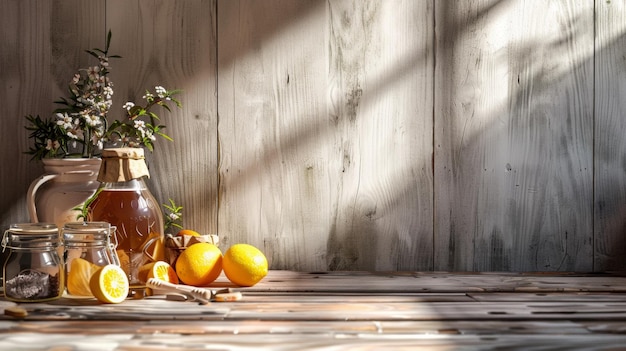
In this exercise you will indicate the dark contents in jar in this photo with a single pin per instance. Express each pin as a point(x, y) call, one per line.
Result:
point(32, 285)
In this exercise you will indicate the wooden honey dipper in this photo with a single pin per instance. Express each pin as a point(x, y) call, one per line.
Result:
point(200, 294)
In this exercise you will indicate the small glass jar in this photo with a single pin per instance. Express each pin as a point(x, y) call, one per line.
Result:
point(33, 270)
point(91, 241)
point(88, 246)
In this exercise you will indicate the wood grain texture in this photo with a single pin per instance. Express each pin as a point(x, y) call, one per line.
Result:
point(513, 136)
point(24, 64)
point(325, 133)
point(345, 310)
point(378, 135)
point(275, 175)
point(381, 78)
point(173, 44)
point(40, 50)
point(610, 144)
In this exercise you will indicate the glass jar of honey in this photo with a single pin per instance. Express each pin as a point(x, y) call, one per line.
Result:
point(124, 201)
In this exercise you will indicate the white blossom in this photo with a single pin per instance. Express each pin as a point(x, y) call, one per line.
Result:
point(92, 120)
point(139, 124)
point(93, 72)
point(72, 135)
point(160, 91)
point(64, 121)
point(108, 92)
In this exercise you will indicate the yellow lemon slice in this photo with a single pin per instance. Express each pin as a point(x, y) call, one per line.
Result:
point(109, 284)
point(160, 270)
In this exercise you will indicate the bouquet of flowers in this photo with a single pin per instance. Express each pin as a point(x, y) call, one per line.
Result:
point(80, 127)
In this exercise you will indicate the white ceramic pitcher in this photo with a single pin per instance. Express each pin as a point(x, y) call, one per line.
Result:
point(66, 184)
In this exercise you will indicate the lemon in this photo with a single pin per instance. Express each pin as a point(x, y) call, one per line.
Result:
point(189, 232)
point(109, 284)
point(199, 264)
point(160, 270)
point(79, 275)
point(244, 264)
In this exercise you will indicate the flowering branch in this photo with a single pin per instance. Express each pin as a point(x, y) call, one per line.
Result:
point(81, 127)
point(135, 132)
point(174, 217)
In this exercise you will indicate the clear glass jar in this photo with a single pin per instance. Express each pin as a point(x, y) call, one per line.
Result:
point(87, 246)
point(124, 201)
point(33, 270)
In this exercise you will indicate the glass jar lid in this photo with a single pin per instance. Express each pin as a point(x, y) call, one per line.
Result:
point(81, 234)
point(44, 236)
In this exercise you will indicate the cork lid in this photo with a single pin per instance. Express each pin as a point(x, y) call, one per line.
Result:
point(122, 165)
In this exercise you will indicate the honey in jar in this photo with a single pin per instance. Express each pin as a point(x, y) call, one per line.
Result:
point(124, 201)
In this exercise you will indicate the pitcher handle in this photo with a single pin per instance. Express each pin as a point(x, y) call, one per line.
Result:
point(32, 192)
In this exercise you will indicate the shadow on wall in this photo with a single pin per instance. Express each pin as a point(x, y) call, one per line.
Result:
point(503, 179)
point(513, 158)
point(514, 138)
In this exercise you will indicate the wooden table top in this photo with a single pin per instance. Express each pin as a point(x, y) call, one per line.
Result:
point(347, 311)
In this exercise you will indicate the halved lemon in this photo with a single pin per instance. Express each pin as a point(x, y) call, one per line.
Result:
point(160, 270)
point(109, 284)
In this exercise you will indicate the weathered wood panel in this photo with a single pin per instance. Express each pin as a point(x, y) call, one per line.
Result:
point(345, 310)
point(274, 168)
point(381, 78)
point(42, 44)
point(323, 151)
point(172, 44)
point(513, 136)
point(325, 132)
point(610, 143)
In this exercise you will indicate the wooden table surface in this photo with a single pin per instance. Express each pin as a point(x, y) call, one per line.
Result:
point(346, 311)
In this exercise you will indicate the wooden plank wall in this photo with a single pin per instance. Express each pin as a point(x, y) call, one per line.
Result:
point(514, 135)
point(376, 135)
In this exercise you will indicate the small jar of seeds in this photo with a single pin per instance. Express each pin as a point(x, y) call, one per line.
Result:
point(33, 270)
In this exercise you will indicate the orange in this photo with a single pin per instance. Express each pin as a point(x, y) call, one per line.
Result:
point(244, 264)
point(79, 275)
point(157, 248)
point(124, 260)
point(109, 284)
point(187, 232)
point(199, 264)
point(160, 270)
